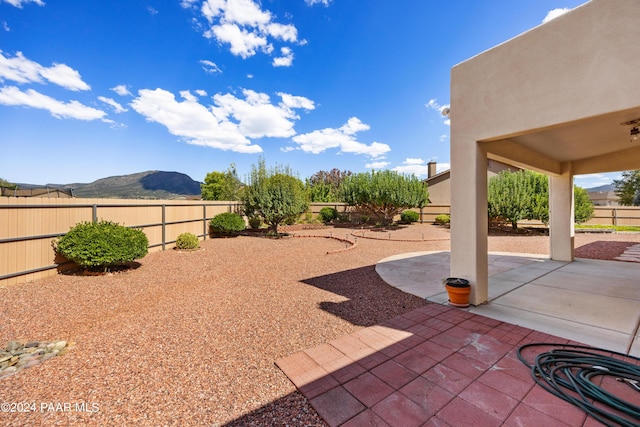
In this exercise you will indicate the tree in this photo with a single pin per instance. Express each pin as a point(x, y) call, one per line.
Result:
point(583, 206)
point(511, 196)
point(514, 196)
point(323, 186)
point(221, 185)
point(6, 184)
point(275, 195)
point(628, 188)
point(384, 194)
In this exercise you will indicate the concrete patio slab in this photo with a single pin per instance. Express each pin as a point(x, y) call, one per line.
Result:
point(592, 301)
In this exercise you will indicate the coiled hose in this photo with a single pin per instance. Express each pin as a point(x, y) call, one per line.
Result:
point(577, 373)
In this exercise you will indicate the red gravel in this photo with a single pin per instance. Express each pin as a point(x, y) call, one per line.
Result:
point(190, 338)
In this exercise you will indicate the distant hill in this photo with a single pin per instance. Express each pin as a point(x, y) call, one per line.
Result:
point(142, 185)
point(602, 188)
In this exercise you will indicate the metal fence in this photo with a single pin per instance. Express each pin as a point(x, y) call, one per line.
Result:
point(28, 226)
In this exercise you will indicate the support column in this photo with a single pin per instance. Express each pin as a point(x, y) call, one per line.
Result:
point(561, 215)
point(469, 256)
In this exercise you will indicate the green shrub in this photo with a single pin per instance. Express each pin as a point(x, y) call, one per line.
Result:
point(255, 221)
point(443, 219)
point(102, 244)
point(328, 214)
point(409, 216)
point(227, 223)
point(187, 241)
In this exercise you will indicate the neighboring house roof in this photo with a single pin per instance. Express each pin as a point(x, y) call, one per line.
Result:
point(36, 192)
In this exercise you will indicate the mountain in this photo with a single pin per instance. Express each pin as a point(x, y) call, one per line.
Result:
point(602, 188)
point(142, 185)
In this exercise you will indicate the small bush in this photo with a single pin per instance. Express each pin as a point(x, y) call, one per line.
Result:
point(227, 223)
point(443, 219)
point(409, 216)
point(255, 221)
point(102, 244)
point(328, 214)
point(187, 241)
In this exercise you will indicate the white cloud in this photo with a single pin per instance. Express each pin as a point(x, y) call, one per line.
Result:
point(210, 67)
point(243, 43)
point(18, 3)
point(376, 165)
point(152, 11)
point(187, 4)
point(285, 60)
point(201, 92)
point(418, 167)
point(256, 116)
point(554, 13)
point(121, 90)
point(228, 124)
point(22, 70)
point(187, 96)
point(5, 26)
point(245, 27)
point(413, 166)
point(192, 121)
point(116, 106)
point(343, 138)
point(287, 33)
point(292, 101)
point(410, 161)
point(11, 95)
point(596, 179)
point(312, 2)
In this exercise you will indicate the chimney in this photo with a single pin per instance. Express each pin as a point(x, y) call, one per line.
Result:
point(431, 171)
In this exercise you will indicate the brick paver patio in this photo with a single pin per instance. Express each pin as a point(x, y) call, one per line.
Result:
point(434, 366)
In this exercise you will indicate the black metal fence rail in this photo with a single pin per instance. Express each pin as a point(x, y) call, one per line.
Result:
point(95, 215)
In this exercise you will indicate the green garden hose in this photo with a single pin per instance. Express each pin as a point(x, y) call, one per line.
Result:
point(574, 373)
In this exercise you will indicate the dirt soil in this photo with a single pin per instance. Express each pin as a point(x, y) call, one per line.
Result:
point(190, 338)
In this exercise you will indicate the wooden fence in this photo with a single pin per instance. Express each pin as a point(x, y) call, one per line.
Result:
point(28, 226)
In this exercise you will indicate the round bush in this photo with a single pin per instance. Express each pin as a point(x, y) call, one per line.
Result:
point(187, 241)
point(255, 221)
point(328, 214)
point(102, 244)
point(443, 219)
point(227, 223)
point(409, 216)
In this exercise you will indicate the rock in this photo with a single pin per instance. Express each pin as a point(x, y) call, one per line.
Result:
point(13, 345)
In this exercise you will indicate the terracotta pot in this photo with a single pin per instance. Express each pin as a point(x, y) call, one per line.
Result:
point(459, 291)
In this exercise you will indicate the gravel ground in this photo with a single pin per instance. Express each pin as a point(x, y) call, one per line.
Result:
point(190, 338)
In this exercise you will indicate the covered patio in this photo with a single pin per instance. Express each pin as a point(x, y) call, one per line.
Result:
point(562, 99)
point(594, 302)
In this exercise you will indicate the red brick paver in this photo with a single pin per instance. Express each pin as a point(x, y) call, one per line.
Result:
point(434, 366)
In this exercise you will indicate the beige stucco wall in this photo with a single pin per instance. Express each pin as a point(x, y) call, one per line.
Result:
point(551, 99)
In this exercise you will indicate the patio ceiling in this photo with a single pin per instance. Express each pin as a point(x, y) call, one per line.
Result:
point(592, 145)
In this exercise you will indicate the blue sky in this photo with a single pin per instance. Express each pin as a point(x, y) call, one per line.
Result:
point(94, 88)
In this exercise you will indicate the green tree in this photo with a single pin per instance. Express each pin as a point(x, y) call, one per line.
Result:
point(628, 188)
point(583, 206)
point(323, 186)
point(514, 196)
point(383, 194)
point(511, 196)
point(6, 184)
point(276, 195)
point(221, 185)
